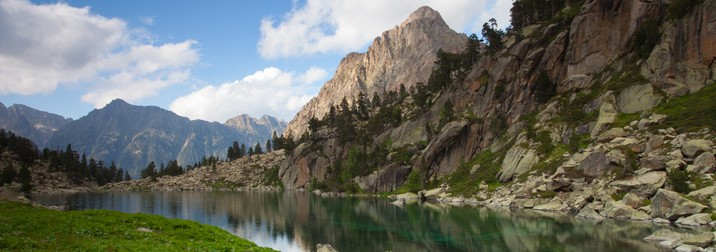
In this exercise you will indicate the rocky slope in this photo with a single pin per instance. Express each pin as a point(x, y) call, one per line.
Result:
point(257, 172)
point(401, 56)
point(34, 124)
point(132, 136)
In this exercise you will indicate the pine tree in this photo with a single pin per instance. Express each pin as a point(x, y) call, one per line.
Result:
point(257, 149)
point(24, 177)
point(268, 145)
point(8, 175)
point(126, 176)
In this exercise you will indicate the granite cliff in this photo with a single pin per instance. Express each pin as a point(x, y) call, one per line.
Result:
point(403, 55)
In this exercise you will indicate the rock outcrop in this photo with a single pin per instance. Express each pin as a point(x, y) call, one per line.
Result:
point(401, 56)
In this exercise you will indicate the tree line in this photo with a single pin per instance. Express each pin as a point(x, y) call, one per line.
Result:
point(77, 167)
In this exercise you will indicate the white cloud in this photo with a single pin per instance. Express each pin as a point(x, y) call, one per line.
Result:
point(48, 45)
point(270, 91)
point(321, 26)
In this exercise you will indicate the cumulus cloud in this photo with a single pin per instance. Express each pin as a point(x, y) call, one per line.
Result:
point(48, 45)
point(270, 91)
point(321, 26)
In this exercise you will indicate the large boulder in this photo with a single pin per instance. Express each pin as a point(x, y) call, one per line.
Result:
point(594, 165)
point(705, 160)
point(638, 98)
point(554, 205)
point(704, 193)
point(518, 160)
point(670, 205)
point(617, 210)
point(692, 148)
point(607, 114)
point(644, 185)
point(666, 238)
point(610, 134)
point(700, 219)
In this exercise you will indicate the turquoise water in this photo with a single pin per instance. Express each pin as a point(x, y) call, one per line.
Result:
point(298, 221)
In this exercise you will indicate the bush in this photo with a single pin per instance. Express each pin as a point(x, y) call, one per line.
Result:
point(678, 180)
point(646, 37)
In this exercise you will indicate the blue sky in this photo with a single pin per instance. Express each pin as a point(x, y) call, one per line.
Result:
point(208, 60)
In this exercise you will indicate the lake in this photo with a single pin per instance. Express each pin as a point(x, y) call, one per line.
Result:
point(298, 221)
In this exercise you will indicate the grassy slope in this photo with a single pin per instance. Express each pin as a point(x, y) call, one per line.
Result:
point(28, 228)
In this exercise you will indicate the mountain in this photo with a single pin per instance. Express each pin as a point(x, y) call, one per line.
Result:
point(34, 124)
point(132, 136)
point(401, 56)
point(265, 126)
point(542, 102)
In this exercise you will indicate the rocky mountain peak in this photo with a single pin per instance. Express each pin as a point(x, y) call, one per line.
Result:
point(403, 55)
point(424, 13)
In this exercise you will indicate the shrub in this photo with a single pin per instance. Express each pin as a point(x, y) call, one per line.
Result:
point(678, 180)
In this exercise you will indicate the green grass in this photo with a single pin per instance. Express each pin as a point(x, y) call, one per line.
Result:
point(690, 112)
point(463, 183)
point(37, 229)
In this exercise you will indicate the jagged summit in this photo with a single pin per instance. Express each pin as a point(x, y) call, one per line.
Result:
point(403, 55)
point(424, 13)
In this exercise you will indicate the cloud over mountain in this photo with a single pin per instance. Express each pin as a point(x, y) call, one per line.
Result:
point(48, 45)
point(322, 26)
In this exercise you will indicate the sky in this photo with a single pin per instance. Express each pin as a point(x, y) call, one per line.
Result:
point(208, 60)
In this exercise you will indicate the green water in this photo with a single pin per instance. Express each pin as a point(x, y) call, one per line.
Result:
point(298, 221)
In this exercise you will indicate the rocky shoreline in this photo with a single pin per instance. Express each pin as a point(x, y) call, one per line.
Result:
point(587, 186)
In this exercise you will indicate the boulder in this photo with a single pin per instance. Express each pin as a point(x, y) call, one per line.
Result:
point(518, 160)
point(705, 160)
point(607, 114)
point(703, 193)
point(644, 185)
point(325, 248)
point(632, 200)
point(406, 196)
point(700, 219)
point(654, 163)
point(594, 165)
point(554, 205)
point(434, 193)
point(699, 240)
point(670, 205)
point(666, 238)
point(610, 134)
point(588, 213)
point(688, 248)
point(617, 210)
point(695, 147)
point(640, 216)
point(638, 98)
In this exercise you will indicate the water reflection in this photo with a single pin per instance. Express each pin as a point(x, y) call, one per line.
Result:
point(298, 221)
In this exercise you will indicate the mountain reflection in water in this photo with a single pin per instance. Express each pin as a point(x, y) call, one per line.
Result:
point(298, 221)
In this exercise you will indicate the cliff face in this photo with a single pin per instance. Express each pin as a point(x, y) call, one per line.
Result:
point(591, 59)
point(404, 55)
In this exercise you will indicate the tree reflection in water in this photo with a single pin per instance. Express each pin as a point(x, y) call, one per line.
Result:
point(298, 221)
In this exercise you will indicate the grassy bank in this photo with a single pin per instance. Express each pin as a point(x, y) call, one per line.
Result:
point(28, 228)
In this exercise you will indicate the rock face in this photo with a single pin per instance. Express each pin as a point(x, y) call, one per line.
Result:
point(31, 123)
point(132, 136)
point(403, 55)
point(683, 61)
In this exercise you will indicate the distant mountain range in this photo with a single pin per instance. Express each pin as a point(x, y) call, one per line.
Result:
point(132, 136)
